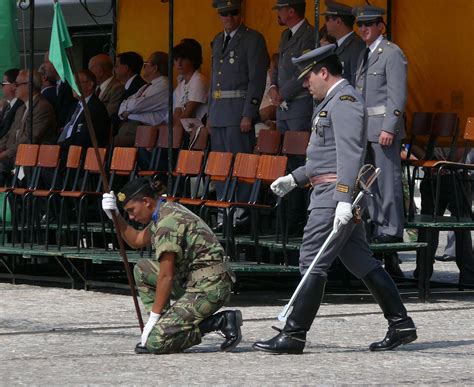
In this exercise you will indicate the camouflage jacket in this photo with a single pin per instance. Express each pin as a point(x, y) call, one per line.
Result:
point(180, 231)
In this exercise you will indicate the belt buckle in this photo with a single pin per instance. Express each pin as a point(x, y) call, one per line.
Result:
point(217, 94)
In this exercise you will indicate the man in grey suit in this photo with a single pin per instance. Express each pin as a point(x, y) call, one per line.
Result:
point(238, 77)
point(294, 103)
point(109, 89)
point(340, 24)
point(334, 156)
point(382, 79)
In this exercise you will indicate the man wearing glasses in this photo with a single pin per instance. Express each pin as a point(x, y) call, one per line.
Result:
point(12, 103)
point(44, 123)
point(382, 79)
point(238, 78)
point(340, 24)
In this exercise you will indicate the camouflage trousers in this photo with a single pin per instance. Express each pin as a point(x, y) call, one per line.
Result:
point(178, 329)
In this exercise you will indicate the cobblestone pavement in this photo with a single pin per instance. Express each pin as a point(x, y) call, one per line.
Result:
point(53, 336)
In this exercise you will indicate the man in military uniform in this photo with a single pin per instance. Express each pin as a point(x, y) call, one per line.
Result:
point(382, 80)
point(188, 267)
point(294, 103)
point(334, 155)
point(340, 24)
point(238, 77)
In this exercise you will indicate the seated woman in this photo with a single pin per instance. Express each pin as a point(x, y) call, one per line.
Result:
point(190, 95)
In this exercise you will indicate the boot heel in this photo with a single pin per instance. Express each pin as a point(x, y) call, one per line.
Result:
point(409, 339)
point(238, 318)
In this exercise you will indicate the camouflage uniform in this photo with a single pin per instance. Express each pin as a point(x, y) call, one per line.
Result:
point(180, 231)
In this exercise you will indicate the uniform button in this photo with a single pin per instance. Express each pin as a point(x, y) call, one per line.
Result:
point(218, 84)
point(361, 88)
point(220, 72)
point(375, 73)
point(221, 61)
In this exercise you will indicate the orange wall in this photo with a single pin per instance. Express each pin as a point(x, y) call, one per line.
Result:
point(440, 58)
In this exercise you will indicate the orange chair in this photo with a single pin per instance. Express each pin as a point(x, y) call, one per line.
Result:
point(26, 156)
point(189, 165)
point(268, 142)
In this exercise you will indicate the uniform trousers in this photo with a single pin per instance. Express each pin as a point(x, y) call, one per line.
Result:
point(231, 139)
point(178, 326)
point(386, 207)
point(349, 244)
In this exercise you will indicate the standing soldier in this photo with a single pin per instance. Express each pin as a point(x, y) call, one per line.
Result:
point(238, 77)
point(382, 79)
point(340, 24)
point(334, 155)
point(188, 267)
point(294, 103)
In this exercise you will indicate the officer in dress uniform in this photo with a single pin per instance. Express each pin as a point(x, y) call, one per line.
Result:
point(382, 80)
point(238, 77)
point(334, 155)
point(294, 103)
point(340, 23)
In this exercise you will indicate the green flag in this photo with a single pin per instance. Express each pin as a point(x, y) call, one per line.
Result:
point(60, 40)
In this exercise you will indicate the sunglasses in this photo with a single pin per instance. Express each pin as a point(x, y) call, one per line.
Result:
point(20, 83)
point(235, 12)
point(5, 83)
point(365, 23)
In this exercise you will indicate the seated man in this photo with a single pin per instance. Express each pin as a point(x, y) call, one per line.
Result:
point(149, 106)
point(108, 89)
point(48, 90)
point(12, 103)
point(75, 131)
point(44, 123)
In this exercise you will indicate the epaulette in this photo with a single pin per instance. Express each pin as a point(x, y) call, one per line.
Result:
point(348, 98)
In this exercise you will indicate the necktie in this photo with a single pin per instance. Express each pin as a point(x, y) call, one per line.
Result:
point(226, 42)
point(97, 91)
point(290, 34)
point(67, 131)
point(5, 112)
point(366, 56)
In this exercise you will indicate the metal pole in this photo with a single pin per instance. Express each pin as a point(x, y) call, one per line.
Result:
point(389, 19)
point(170, 94)
point(317, 12)
point(87, 115)
point(113, 47)
point(32, 67)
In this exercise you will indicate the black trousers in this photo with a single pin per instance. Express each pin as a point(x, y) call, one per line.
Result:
point(447, 200)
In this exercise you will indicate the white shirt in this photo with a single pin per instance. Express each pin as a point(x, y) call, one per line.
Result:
point(375, 44)
point(104, 85)
point(341, 40)
point(149, 104)
point(334, 86)
point(13, 101)
point(296, 27)
point(130, 80)
point(195, 91)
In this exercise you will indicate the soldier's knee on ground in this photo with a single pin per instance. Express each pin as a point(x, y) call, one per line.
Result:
point(167, 337)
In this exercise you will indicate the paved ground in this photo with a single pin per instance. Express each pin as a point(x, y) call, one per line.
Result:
point(53, 336)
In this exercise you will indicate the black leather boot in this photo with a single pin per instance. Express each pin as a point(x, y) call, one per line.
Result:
point(401, 329)
point(228, 323)
point(292, 338)
point(392, 265)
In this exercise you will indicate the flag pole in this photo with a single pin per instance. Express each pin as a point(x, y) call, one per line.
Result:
point(106, 185)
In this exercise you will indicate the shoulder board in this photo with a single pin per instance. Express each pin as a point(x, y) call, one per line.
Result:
point(348, 98)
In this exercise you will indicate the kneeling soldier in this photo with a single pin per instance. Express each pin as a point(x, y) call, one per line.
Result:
point(188, 267)
point(334, 156)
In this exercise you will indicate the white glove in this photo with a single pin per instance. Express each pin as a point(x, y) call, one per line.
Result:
point(152, 320)
point(283, 185)
point(109, 204)
point(343, 214)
